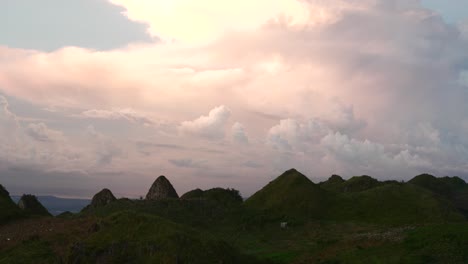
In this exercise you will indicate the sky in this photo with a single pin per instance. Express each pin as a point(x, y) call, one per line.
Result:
point(113, 93)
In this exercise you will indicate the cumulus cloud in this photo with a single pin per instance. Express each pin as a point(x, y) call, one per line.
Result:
point(211, 126)
point(199, 21)
point(366, 155)
point(238, 133)
point(290, 134)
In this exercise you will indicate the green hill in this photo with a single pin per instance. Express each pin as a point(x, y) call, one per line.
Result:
point(451, 188)
point(220, 195)
point(31, 206)
point(356, 184)
point(333, 184)
point(292, 195)
point(8, 209)
point(393, 204)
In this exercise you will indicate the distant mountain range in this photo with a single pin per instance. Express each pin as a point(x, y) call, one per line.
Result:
point(56, 205)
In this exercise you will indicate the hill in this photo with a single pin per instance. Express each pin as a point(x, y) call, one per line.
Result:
point(356, 184)
point(220, 195)
point(393, 204)
point(451, 188)
point(31, 206)
point(292, 195)
point(337, 221)
point(8, 209)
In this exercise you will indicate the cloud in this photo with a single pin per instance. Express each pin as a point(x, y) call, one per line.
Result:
point(8, 121)
point(104, 148)
point(211, 126)
point(366, 155)
point(252, 164)
point(238, 133)
point(187, 163)
point(126, 114)
point(40, 132)
point(361, 86)
point(290, 134)
point(200, 21)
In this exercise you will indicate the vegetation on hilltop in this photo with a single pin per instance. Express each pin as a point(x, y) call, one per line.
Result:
point(8, 209)
point(292, 195)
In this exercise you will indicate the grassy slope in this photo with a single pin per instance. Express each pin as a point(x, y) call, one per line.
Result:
point(293, 195)
point(125, 237)
point(428, 244)
point(451, 188)
point(393, 204)
point(8, 209)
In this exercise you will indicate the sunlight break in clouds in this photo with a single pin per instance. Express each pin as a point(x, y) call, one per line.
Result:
point(199, 21)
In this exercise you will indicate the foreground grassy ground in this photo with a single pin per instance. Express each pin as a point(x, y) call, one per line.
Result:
point(127, 237)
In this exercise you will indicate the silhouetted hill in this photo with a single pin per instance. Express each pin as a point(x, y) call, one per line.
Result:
point(8, 209)
point(451, 188)
point(31, 206)
point(356, 184)
point(291, 194)
point(333, 184)
point(224, 196)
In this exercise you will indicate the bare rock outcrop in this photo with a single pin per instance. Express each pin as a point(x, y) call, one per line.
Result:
point(162, 189)
point(102, 198)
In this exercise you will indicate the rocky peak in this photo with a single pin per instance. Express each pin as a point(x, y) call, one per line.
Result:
point(102, 198)
point(31, 205)
point(161, 189)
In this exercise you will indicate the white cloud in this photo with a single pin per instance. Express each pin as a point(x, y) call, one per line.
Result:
point(366, 155)
point(211, 126)
point(201, 21)
point(290, 134)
